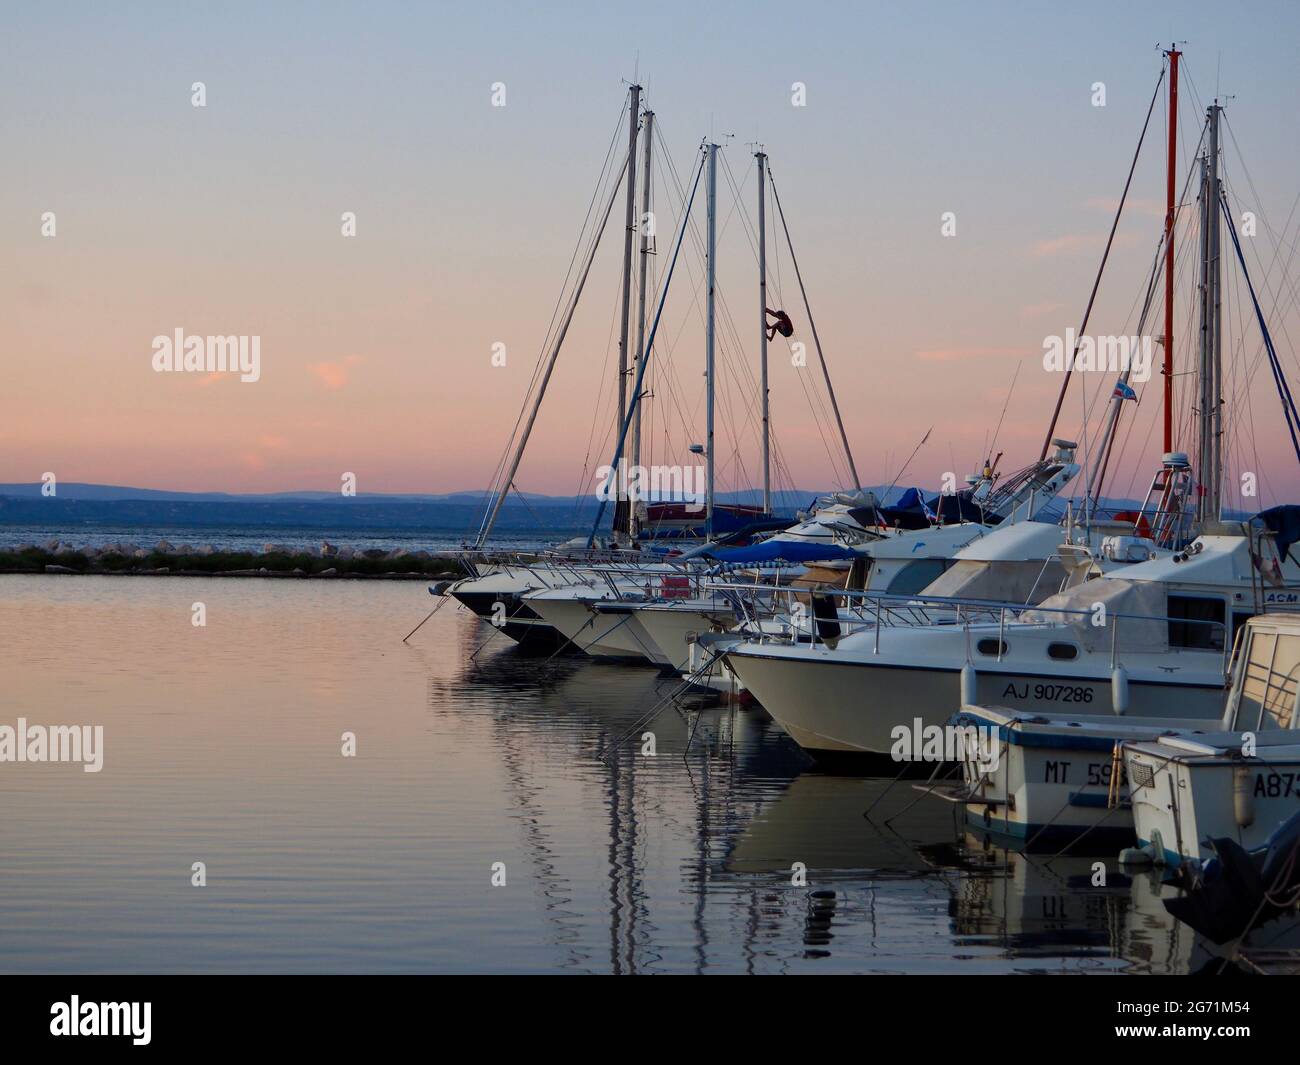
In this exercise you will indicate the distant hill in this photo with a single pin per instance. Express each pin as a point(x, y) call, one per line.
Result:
point(457, 512)
point(76, 491)
point(461, 512)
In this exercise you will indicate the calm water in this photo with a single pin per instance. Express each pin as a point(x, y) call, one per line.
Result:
point(222, 745)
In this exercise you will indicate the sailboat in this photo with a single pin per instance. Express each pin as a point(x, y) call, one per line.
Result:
point(850, 540)
point(1166, 624)
point(496, 588)
point(599, 615)
point(1056, 768)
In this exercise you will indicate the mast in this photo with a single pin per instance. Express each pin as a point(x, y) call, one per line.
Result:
point(1216, 336)
point(634, 117)
point(640, 353)
point(650, 340)
point(1170, 208)
point(709, 330)
point(1209, 456)
point(762, 328)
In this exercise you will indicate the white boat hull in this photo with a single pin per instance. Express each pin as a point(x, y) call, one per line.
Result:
point(1201, 805)
point(671, 630)
point(832, 705)
point(1050, 783)
point(599, 635)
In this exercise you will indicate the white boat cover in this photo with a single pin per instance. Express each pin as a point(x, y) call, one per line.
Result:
point(1145, 632)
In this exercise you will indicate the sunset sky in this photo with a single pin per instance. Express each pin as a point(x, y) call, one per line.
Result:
point(377, 349)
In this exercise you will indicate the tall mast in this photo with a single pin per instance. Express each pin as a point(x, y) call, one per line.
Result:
point(634, 118)
point(1170, 208)
point(1208, 437)
point(639, 353)
point(708, 344)
point(762, 327)
point(1216, 335)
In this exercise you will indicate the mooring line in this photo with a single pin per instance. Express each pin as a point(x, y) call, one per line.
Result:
point(867, 812)
point(659, 707)
point(442, 601)
point(933, 784)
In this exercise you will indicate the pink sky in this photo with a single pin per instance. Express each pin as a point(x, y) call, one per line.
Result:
point(376, 350)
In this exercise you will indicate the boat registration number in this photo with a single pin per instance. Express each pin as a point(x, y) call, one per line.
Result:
point(1277, 785)
point(1052, 693)
point(1098, 773)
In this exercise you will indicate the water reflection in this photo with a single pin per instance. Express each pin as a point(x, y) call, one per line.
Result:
point(723, 851)
point(894, 881)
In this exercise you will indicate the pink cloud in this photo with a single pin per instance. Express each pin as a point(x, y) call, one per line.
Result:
point(212, 378)
point(333, 375)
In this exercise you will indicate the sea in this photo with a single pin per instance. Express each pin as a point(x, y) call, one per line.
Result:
point(289, 787)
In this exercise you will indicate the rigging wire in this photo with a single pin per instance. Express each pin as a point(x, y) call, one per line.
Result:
point(582, 240)
point(1083, 328)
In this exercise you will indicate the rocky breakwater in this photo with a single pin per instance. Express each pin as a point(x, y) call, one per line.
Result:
point(204, 560)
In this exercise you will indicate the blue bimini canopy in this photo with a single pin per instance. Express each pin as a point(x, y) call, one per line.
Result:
point(783, 551)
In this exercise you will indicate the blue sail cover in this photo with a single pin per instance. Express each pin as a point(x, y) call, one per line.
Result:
point(1284, 521)
point(783, 551)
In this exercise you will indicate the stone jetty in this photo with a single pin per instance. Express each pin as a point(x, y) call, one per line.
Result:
point(128, 558)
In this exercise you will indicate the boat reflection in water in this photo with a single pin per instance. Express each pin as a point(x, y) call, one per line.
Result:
point(727, 851)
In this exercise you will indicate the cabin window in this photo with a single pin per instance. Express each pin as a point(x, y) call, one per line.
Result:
point(991, 647)
point(1062, 652)
point(1189, 618)
point(915, 575)
point(1239, 619)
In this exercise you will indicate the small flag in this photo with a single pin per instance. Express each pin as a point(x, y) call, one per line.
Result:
point(1123, 391)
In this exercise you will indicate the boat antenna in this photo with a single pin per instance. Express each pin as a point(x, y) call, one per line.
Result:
point(910, 457)
point(989, 450)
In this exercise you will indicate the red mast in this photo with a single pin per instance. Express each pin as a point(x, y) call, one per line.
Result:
point(1173, 55)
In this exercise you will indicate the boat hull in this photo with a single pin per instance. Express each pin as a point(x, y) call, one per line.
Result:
point(835, 706)
point(1201, 805)
point(506, 611)
point(600, 635)
point(672, 631)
